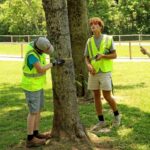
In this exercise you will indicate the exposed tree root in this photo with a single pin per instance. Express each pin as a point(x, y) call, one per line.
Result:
point(97, 143)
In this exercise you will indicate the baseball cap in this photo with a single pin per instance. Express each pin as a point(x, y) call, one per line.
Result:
point(43, 43)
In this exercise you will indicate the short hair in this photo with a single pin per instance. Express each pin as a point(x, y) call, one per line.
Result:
point(97, 19)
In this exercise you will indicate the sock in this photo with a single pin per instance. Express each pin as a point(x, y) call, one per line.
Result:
point(101, 118)
point(116, 113)
point(35, 132)
point(30, 137)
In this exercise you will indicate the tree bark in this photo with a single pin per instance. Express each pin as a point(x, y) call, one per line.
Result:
point(66, 121)
point(78, 23)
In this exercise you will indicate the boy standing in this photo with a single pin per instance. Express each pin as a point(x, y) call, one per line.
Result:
point(99, 53)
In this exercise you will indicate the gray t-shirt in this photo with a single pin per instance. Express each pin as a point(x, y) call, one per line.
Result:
point(98, 42)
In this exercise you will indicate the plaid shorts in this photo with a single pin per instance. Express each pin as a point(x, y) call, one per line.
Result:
point(102, 81)
point(35, 100)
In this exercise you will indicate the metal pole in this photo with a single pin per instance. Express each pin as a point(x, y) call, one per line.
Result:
point(130, 51)
point(21, 50)
point(119, 40)
point(28, 38)
point(11, 38)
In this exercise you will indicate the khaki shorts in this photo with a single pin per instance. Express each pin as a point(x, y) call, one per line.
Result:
point(35, 100)
point(101, 81)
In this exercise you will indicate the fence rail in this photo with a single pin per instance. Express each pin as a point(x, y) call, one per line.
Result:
point(19, 38)
point(126, 45)
point(28, 38)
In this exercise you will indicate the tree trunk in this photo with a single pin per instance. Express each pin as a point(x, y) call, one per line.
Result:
point(66, 122)
point(78, 23)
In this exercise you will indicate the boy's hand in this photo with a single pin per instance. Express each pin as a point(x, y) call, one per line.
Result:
point(99, 56)
point(91, 69)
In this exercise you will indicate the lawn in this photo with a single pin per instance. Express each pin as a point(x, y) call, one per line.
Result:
point(12, 48)
point(18, 49)
point(123, 51)
point(131, 88)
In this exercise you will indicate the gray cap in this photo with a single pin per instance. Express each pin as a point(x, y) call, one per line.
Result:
point(43, 43)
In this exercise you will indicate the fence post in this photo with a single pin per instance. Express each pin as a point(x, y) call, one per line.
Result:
point(11, 38)
point(119, 40)
point(130, 51)
point(28, 38)
point(21, 50)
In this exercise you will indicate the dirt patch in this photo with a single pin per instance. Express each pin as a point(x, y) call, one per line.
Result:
point(98, 143)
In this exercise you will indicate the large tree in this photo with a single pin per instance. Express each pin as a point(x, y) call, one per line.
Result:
point(66, 122)
point(78, 24)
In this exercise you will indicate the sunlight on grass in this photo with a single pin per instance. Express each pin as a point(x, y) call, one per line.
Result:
point(131, 89)
point(47, 114)
point(140, 146)
point(122, 50)
point(124, 132)
point(7, 109)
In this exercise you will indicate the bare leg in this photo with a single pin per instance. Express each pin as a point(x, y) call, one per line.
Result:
point(110, 100)
point(98, 107)
point(30, 123)
point(37, 119)
point(98, 103)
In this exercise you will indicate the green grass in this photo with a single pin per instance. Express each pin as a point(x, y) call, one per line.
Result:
point(132, 86)
point(13, 109)
point(12, 49)
point(122, 50)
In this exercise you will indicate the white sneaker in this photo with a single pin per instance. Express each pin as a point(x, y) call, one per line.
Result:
point(116, 121)
point(99, 126)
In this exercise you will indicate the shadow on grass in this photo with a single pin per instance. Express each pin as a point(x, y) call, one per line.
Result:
point(13, 114)
point(133, 132)
point(133, 86)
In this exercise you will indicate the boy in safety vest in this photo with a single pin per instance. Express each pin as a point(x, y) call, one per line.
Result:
point(33, 80)
point(99, 53)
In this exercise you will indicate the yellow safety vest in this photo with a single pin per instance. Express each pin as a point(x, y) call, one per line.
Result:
point(31, 79)
point(103, 65)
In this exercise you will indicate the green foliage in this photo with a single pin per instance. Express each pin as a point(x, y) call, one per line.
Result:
point(22, 17)
point(126, 17)
point(27, 16)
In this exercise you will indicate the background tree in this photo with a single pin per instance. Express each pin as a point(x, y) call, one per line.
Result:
point(126, 17)
point(78, 23)
point(66, 122)
point(27, 16)
point(22, 17)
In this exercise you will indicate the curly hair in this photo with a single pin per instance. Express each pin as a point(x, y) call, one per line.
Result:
point(98, 20)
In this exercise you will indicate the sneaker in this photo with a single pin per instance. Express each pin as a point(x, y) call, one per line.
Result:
point(99, 126)
point(116, 121)
point(46, 135)
point(35, 142)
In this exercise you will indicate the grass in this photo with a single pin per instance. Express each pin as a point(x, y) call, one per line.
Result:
point(122, 50)
point(131, 83)
point(11, 48)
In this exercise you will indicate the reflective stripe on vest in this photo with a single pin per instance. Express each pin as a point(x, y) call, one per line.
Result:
point(33, 75)
point(104, 65)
